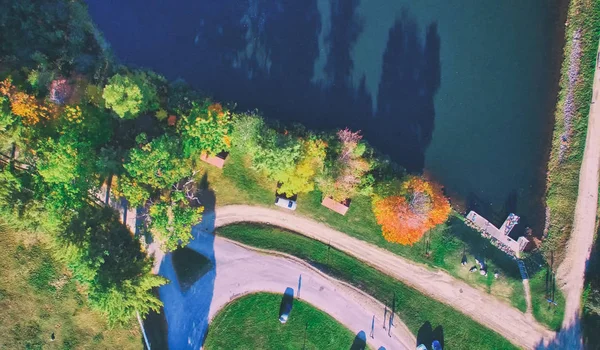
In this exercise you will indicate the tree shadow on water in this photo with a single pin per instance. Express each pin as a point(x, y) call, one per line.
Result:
point(263, 53)
point(410, 79)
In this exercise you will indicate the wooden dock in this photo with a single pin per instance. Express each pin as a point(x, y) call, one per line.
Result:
point(499, 236)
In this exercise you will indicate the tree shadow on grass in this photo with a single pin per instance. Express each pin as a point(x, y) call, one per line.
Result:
point(590, 322)
point(427, 335)
point(569, 338)
point(187, 299)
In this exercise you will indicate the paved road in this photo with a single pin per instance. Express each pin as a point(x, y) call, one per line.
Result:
point(240, 270)
point(519, 328)
point(571, 272)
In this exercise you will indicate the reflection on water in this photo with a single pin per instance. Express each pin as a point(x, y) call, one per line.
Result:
point(463, 90)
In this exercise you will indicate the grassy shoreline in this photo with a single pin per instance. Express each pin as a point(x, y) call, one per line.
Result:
point(571, 116)
point(237, 184)
point(413, 307)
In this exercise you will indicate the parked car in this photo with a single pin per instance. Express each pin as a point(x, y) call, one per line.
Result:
point(287, 301)
point(434, 346)
point(284, 317)
point(285, 203)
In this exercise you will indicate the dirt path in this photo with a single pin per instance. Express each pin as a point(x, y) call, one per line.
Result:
point(571, 272)
point(519, 328)
point(527, 296)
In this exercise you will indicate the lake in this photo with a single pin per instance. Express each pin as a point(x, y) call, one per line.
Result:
point(461, 90)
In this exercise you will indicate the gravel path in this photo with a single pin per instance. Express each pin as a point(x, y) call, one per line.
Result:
point(519, 328)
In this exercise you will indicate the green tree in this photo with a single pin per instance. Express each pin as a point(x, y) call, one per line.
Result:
point(129, 95)
point(157, 164)
point(247, 129)
point(63, 160)
point(171, 220)
point(275, 153)
point(300, 178)
point(207, 128)
point(108, 259)
point(136, 194)
point(11, 129)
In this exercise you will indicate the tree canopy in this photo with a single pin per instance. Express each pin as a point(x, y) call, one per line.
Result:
point(172, 218)
point(129, 95)
point(206, 128)
point(300, 178)
point(105, 257)
point(405, 217)
point(158, 163)
point(348, 170)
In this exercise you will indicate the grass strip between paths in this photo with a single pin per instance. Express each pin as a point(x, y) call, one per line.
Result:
point(252, 322)
point(414, 308)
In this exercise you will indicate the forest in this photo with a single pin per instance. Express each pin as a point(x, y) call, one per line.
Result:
point(72, 120)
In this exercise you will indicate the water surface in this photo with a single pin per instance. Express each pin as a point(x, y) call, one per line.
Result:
point(463, 90)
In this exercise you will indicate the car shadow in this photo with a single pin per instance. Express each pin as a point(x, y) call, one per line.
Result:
point(360, 341)
point(287, 302)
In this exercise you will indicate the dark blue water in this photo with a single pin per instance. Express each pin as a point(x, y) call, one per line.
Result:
point(463, 90)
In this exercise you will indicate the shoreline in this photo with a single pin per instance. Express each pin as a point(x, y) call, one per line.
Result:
point(562, 174)
point(539, 209)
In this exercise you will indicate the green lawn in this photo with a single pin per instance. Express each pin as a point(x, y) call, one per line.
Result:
point(38, 298)
point(251, 322)
point(236, 183)
point(548, 313)
point(414, 308)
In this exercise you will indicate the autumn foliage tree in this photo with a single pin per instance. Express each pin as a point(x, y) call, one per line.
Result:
point(207, 128)
point(24, 105)
point(347, 172)
point(405, 218)
point(300, 177)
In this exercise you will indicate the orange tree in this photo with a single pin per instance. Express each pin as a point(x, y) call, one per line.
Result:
point(24, 105)
point(406, 217)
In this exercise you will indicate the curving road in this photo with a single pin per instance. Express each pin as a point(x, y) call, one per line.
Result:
point(519, 328)
point(239, 270)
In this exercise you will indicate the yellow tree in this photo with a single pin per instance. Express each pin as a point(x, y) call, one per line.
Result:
point(24, 105)
point(300, 179)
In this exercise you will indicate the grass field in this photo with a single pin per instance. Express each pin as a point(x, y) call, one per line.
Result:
point(251, 322)
point(38, 298)
point(552, 315)
point(236, 183)
point(414, 308)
